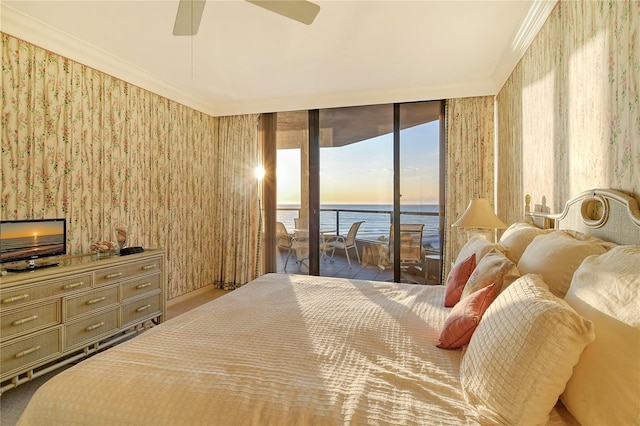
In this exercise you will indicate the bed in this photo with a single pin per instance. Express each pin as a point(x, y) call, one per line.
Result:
point(292, 349)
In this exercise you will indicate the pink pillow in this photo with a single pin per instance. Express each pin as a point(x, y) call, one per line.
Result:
point(465, 317)
point(457, 279)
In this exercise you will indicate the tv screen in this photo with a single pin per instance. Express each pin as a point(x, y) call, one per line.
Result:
point(32, 239)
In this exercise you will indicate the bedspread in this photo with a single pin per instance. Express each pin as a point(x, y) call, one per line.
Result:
point(283, 349)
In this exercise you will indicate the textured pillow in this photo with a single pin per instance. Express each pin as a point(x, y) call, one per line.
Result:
point(556, 256)
point(605, 385)
point(517, 237)
point(588, 237)
point(457, 279)
point(479, 246)
point(522, 354)
point(493, 268)
point(464, 318)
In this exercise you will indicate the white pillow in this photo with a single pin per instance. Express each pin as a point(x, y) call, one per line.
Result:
point(605, 385)
point(493, 268)
point(556, 256)
point(479, 246)
point(517, 237)
point(522, 354)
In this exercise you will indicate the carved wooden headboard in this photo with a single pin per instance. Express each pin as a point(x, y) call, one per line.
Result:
point(604, 213)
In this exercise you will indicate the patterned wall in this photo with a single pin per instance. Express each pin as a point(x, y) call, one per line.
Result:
point(470, 164)
point(80, 144)
point(568, 116)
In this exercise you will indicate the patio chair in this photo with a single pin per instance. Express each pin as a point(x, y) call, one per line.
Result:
point(285, 241)
point(343, 243)
point(301, 223)
point(410, 244)
point(411, 255)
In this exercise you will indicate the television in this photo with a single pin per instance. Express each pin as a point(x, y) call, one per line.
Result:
point(28, 240)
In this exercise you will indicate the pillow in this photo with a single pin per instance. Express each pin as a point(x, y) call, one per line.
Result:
point(556, 256)
point(464, 318)
point(457, 279)
point(493, 268)
point(605, 385)
point(522, 354)
point(479, 246)
point(517, 237)
point(588, 237)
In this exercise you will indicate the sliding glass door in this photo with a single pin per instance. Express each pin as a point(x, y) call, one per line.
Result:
point(292, 187)
point(360, 169)
point(420, 177)
point(356, 190)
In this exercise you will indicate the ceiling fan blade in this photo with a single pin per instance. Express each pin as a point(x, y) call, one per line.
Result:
point(299, 10)
point(188, 17)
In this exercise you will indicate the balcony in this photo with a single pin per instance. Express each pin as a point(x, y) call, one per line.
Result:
point(372, 242)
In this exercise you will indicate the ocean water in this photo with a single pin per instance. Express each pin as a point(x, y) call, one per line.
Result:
point(375, 224)
point(14, 249)
point(30, 242)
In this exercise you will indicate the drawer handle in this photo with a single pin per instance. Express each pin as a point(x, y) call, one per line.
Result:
point(141, 286)
point(96, 300)
point(117, 274)
point(146, 268)
point(15, 298)
point(73, 285)
point(24, 320)
point(142, 308)
point(27, 351)
point(94, 326)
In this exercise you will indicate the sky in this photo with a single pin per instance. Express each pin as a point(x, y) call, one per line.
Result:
point(30, 229)
point(362, 173)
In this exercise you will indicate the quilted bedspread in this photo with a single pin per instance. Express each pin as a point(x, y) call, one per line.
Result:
point(281, 350)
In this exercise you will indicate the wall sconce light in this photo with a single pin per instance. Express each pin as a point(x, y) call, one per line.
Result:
point(480, 217)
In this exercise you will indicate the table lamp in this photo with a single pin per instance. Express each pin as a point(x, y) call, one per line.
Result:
point(480, 217)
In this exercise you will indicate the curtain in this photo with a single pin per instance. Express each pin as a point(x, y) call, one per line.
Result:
point(83, 145)
point(470, 164)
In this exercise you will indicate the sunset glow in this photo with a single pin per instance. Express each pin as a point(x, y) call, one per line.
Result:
point(362, 172)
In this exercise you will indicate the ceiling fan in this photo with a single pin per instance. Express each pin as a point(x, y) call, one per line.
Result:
point(190, 13)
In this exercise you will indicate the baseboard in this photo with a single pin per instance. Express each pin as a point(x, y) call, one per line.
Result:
point(190, 295)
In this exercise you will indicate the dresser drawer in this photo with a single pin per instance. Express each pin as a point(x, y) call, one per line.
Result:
point(23, 353)
point(90, 301)
point(141, 309)
point(130, 270)
point(141, 286)
point(27, 320)
point(81, 332)
point(33, 292)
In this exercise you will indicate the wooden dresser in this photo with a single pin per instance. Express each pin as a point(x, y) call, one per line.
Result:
point(54, 316)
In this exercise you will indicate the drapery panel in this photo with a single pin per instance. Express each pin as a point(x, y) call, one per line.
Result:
point(80, 144)
point(470, 164)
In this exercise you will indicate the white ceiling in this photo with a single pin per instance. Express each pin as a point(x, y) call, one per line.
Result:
point(246, 59)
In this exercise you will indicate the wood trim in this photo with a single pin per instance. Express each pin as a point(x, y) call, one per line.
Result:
point(267, 132)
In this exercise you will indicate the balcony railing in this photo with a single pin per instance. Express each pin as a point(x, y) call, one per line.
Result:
point(376, 226)
point(373, 235)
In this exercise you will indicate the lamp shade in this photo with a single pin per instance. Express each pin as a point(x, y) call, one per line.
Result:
point(479, 214)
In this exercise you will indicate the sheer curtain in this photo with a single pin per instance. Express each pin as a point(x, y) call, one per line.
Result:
point(470, 164)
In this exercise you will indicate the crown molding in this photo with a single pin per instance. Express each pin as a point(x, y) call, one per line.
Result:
point(531, 25)
point(24, 27)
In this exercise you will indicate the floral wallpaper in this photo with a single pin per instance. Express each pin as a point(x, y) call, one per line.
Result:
point(80, 144)
point(470, 164)
point(568, 116)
